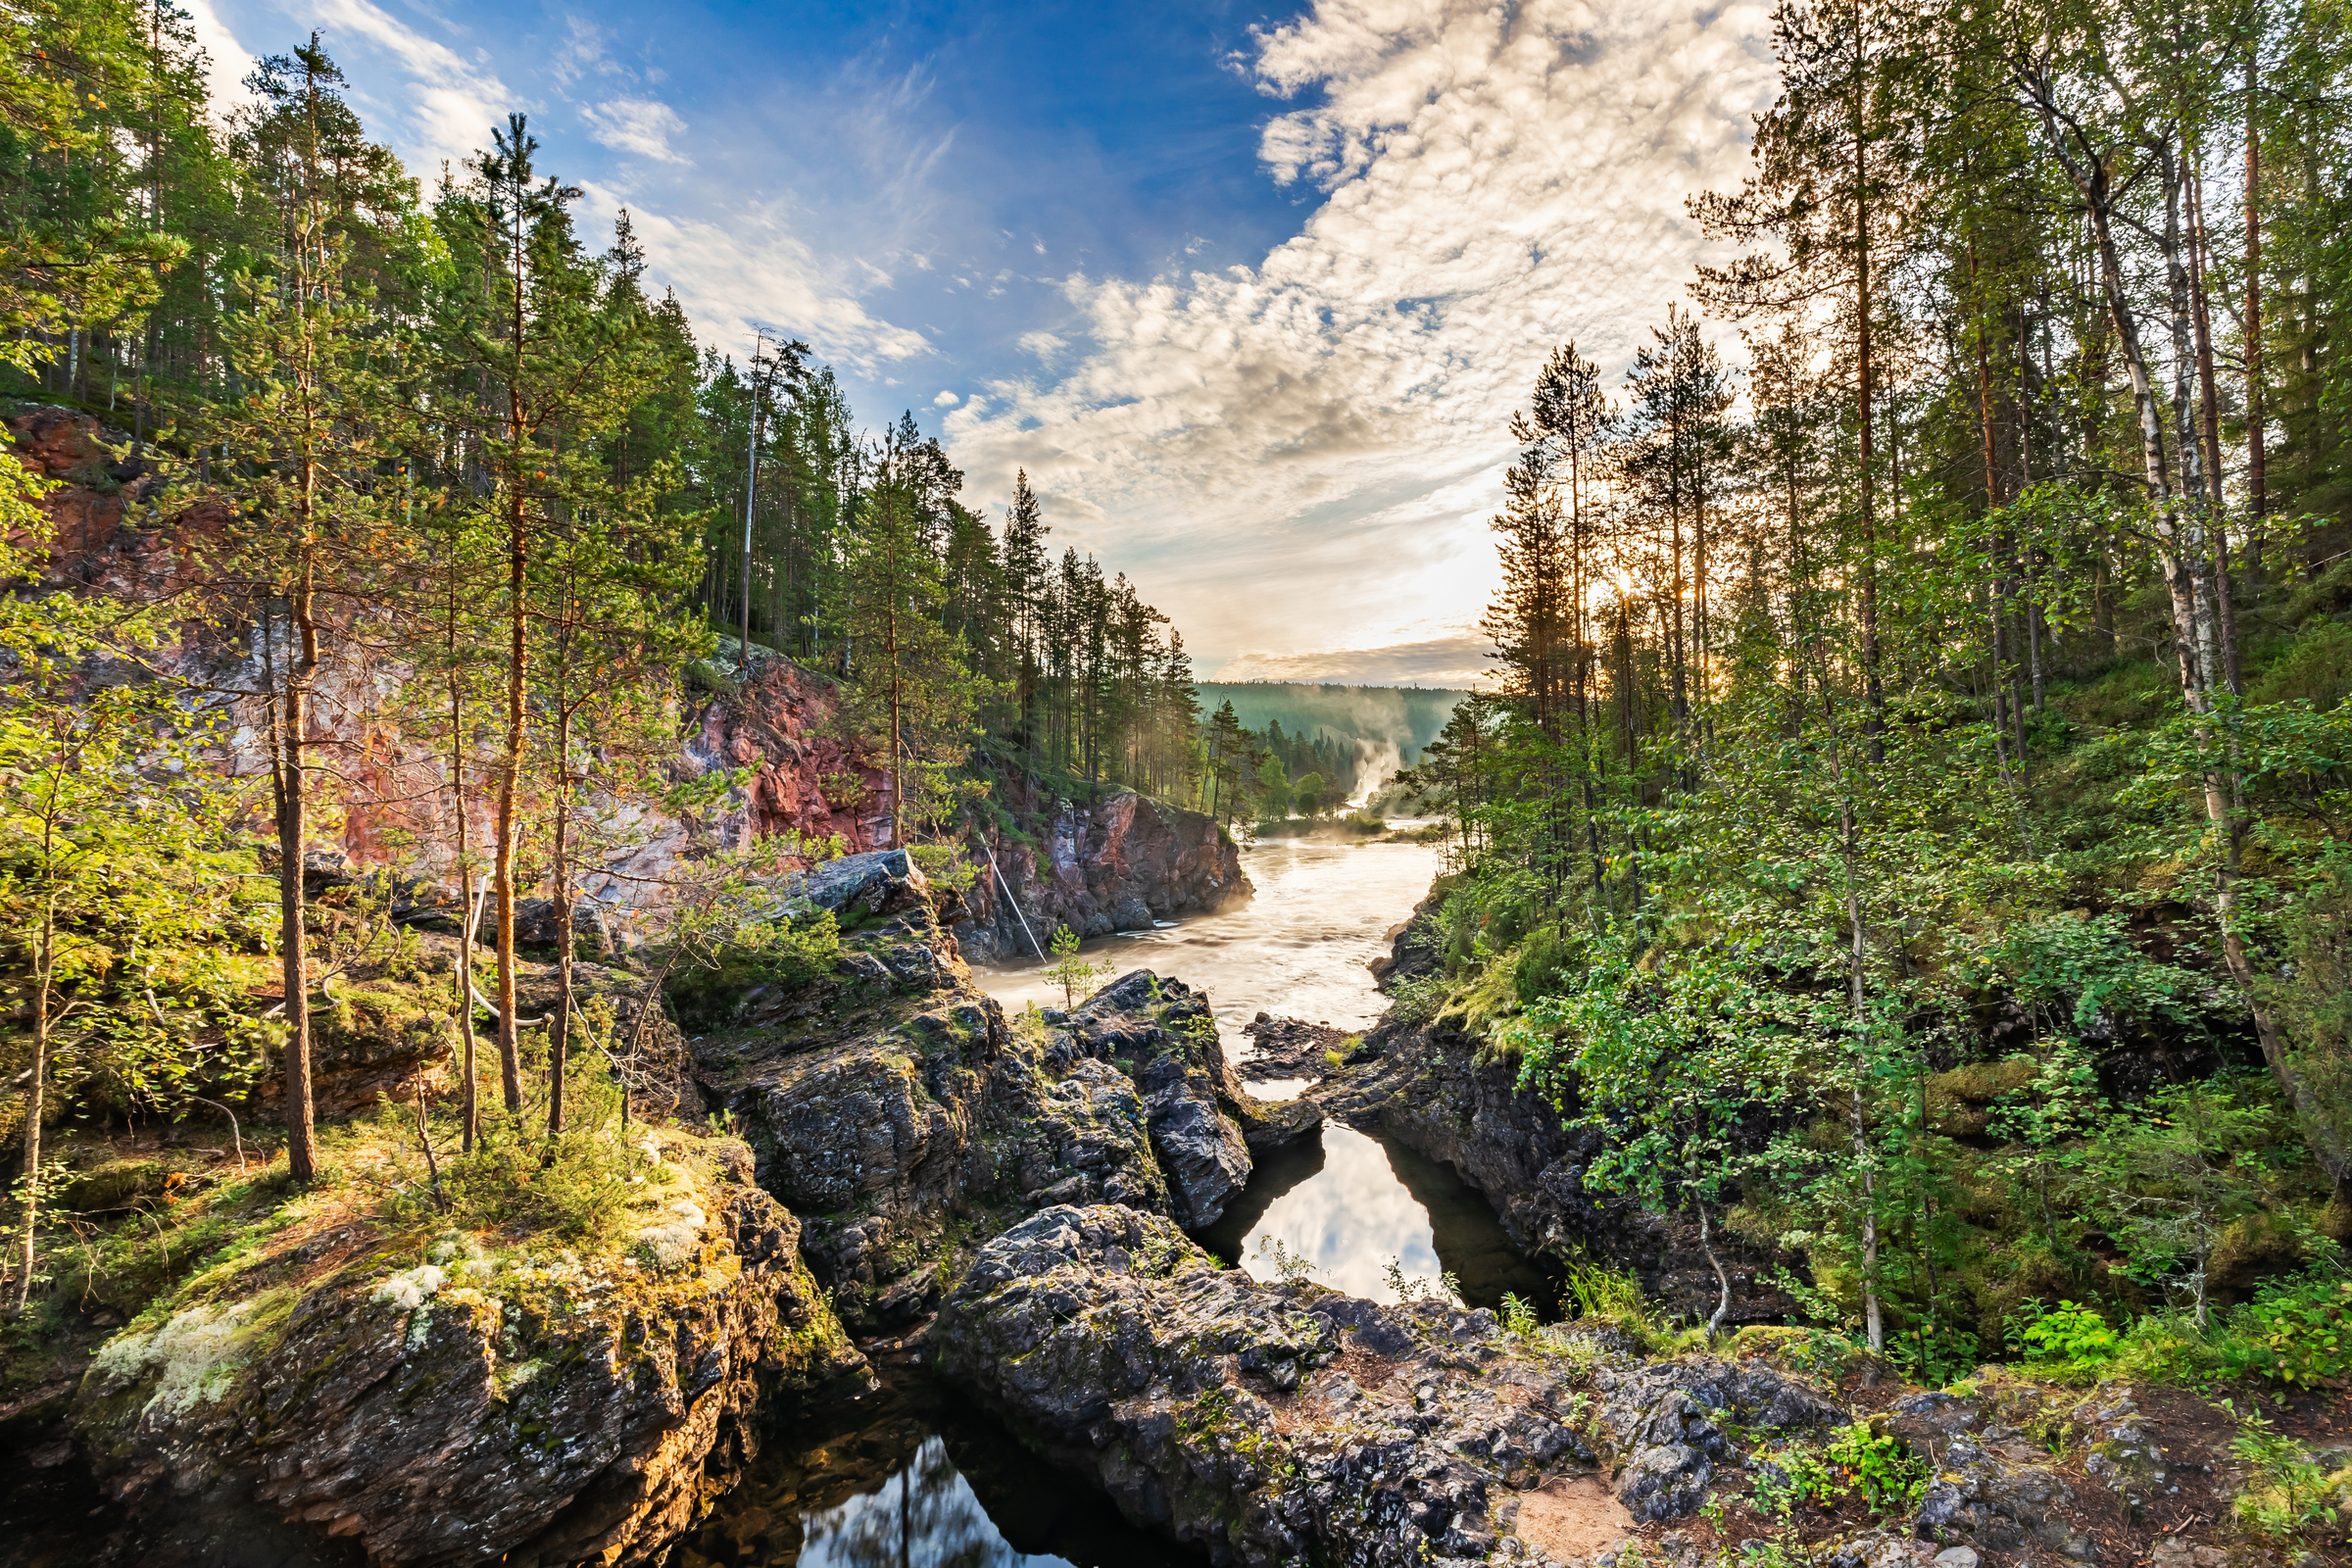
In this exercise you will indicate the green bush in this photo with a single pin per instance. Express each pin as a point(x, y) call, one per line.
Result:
point(1880, 1466)
point(769, 954)
point(573, 1187)
point(2069, 1334)
point(2288, 1494)
point(2293, 1332)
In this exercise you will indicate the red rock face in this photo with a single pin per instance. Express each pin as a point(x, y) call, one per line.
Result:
point(388, 804)
point(1110, 864)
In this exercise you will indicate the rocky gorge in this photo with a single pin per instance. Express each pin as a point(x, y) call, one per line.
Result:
point(878, 1165)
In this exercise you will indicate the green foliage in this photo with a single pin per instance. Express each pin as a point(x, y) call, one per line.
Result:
point(1609, 1295)
point(2297, 1332)
point(2069, 1334)
point(574, 1188)
point(1069, 971)
point(1880, 1466)
point(2287, 1497)
point(1291, 1268)
point(757, 956)
point(1518, 1317)
point(1414, 1288)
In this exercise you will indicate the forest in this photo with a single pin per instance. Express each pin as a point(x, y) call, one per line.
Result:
point(1908, 831)
point(1904, 829)
point(435, 462)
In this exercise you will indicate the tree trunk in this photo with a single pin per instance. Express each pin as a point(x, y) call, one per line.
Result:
point(510, 785)
point(293, 791)
point(36, 1106)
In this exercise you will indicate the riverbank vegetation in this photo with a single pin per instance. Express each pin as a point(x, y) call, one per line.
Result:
point(1909, 827)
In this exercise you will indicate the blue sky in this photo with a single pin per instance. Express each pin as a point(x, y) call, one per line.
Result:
point(1249, 290)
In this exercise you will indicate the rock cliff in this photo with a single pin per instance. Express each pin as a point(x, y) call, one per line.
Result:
point(1116, 864)
point(1434, 1087)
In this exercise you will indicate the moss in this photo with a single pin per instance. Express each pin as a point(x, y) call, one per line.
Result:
point(1959, 1102)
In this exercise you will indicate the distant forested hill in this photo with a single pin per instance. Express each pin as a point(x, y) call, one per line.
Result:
point(1369, 720)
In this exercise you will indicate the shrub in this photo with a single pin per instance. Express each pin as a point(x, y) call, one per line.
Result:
point(2287, 1494)
point(2292, 1331)
point(573, 1187)
point(1884, 1471)
point(1596, 1291)
point(2069, 1334)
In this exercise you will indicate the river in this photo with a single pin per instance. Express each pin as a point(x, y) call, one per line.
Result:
point(917, 1479)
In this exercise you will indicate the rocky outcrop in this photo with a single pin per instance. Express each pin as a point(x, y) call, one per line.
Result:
point(1264, 1423)
point(1292, 1048)
point(1434, 1087)
point(1206, 1125)
point(1664, 1424)
point(1990, 1489)
point(904, 1116)
point(1114, 864)
point(462, 1408)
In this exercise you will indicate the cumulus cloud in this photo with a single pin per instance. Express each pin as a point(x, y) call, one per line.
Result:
point(1495, 180)
point(642, 127)
point(946, 400)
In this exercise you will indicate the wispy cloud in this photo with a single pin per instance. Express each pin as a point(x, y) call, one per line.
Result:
point(449, 104)
point(227, 61)
point(750, 267)
point(642, 127)
point(1495, 180)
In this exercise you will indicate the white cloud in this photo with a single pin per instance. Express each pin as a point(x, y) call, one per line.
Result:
point(946, 400)
point(1459, 661)
point(449, 106)
point(1045, 345)
point(639, 125)
point(1496, 179)
point(747, 267)
point(227, 61)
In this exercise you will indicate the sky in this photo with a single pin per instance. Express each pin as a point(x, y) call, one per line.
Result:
point(1249, 291)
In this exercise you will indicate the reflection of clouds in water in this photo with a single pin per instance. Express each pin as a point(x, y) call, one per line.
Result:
point(926, 1516)
point(1350, 1219)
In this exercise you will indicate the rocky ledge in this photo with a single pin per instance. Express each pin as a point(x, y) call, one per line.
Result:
point(1117, 864)
point(1265, 1423)
point(899, 1111)
point(462, 1408)
point(1278, 1423)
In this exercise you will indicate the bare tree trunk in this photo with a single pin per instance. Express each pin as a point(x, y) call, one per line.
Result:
point(510, 785)
point(36, 1099)
point(1706, 1245)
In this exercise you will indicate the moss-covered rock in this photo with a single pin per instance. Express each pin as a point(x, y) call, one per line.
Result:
point(464, 1406)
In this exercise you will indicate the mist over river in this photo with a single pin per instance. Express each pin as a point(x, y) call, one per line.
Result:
point(1298, 949)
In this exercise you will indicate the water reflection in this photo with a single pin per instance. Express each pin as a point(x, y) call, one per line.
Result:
point(1355, 1203)
point(926, 1514)
point(913, 1477)
point(1298, 949)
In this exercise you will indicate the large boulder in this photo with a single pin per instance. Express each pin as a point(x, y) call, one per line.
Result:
point(1665, 1424)
point(1161, 1034)
point(1264, 1423)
